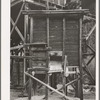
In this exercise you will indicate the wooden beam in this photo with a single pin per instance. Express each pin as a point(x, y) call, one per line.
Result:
point(43, 4)
point(35, 44)
point(47, 12)
point(18, 31)
point(17, 18)
point(91, 48)
point(64, 57)
point(47, 62)
point(89, 17)
point(28, 57)
point(64, 2)
point(31, 29)
point(91, 31)
point(66, 97)
point(89, 74)
point(36, 3)
point(16, 47)
point(65, 66)
point(26, 19)
point(15, 2)
point(70, 83)
point(58, 2)
point(64, 35)
point(90, 60)
point(48, 32)
point(73, 81)
point(80, 87)
point(47, 4)
point(88, 54)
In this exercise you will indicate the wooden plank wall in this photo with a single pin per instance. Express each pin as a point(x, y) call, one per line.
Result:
point(39, 30)
point(56, 36)
point(72, 41)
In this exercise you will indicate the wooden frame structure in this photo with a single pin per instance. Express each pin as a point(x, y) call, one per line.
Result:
point(25, 10)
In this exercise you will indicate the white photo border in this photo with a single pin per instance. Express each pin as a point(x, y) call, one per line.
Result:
point(5, 49)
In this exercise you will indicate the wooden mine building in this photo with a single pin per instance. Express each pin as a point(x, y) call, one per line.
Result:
point(47, 33)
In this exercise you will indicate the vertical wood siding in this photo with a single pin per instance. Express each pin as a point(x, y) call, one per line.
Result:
point(56, 34)
point(72, 42)
point(39, 30)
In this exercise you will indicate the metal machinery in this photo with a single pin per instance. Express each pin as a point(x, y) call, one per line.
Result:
point(45, 32)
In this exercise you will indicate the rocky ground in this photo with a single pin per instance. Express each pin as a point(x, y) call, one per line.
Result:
point(89, 94)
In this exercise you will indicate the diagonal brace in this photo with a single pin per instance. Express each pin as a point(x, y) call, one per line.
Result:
point(91, 31)
point(87, 71)
point(91, 48)
point(18, 17)
point(66, 97)
point(18, 31)
point(90, 60)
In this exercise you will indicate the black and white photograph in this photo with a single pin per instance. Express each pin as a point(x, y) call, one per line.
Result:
point(52, 50)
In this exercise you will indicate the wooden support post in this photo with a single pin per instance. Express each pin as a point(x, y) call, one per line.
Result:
point(30, 86)
point(64, 35)
point(46, 91)
point(47, 5)
point(18, 17)
point(80, 89)
point(65, 62)
point(25, 32)
point(31, 29)
point(58, 2)
point(64, 2)
point(30, 66)
point(31, 41)
point(64, 77)
point(47, 62)
point(48, 31)
point(11, 67)
point(47, 53)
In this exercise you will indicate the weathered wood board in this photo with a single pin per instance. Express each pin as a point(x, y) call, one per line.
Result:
point(71, 43)
point(56, 34)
